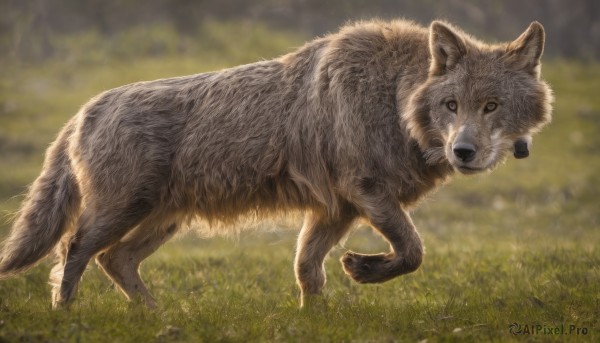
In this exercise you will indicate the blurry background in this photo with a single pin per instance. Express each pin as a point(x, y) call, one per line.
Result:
point(34, 29)
point(519, 244)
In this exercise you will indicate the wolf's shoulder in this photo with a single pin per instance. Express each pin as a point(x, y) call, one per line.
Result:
point(390, 28)
point(378, 42)
point(379, 31)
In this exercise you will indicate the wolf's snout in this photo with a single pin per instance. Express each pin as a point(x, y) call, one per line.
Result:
point(465, 152)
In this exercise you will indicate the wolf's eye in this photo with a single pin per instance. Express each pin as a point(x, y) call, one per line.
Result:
point(452, 105)
point(490, 107)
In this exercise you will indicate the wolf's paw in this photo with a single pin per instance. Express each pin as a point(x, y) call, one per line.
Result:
point(313, 302)
point(380, 267)
point(60, 304)
point(369, 268)
point(63, 297)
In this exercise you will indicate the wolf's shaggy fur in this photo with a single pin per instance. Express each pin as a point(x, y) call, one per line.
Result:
point(358, 124)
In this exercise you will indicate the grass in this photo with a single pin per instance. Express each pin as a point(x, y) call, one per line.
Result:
point(519, 245)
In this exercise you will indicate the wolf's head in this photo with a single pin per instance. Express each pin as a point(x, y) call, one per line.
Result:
point(479, 101)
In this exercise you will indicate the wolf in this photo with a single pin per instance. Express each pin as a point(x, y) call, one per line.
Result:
point(358, 124)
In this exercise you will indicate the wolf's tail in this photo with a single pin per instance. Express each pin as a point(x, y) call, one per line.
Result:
point(50, 207)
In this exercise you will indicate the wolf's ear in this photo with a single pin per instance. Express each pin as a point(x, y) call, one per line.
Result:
point(525, 52)
point(446, 46)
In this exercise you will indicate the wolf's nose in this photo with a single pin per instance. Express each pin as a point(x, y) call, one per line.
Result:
point(465, 152)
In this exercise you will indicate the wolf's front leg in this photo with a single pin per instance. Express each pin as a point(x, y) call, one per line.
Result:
point(406, 255)
point(319, 234)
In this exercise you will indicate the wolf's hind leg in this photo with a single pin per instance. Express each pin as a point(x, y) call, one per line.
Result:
point(56, 273)
point(97, 229)
point(318, 235)
point(397, 228)
point(122, 260)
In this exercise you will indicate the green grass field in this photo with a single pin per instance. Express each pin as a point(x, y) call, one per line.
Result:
point(517, 246)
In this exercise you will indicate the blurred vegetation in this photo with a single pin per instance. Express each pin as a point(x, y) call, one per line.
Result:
point(519, 245)
point(34, 29)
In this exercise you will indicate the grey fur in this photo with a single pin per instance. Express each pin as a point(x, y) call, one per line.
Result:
point(352, 125)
